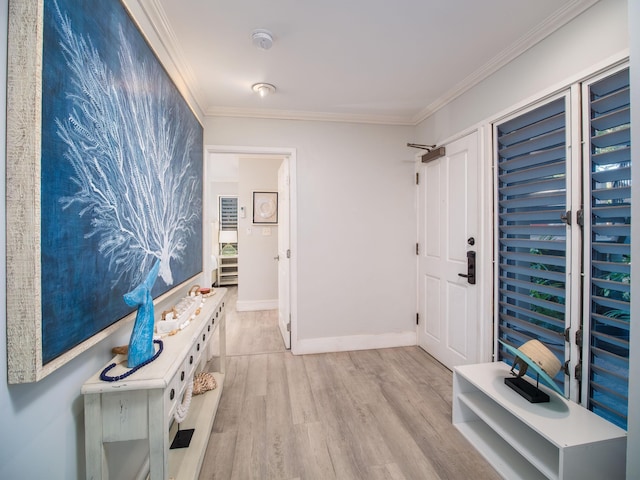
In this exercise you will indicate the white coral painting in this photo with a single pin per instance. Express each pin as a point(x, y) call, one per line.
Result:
point(121, 172)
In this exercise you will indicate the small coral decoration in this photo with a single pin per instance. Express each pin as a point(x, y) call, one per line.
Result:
point(141, 342)
point(203, 382)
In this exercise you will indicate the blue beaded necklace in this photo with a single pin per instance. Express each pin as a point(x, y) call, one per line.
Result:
point(107, 378)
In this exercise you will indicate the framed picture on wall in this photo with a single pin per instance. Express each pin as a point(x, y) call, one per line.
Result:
point(104, 179)
point(265, 208)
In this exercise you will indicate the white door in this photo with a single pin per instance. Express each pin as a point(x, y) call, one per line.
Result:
point(447, 229)
point(283, 257)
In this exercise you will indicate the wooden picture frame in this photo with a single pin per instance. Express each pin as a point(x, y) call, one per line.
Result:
point(71, 254)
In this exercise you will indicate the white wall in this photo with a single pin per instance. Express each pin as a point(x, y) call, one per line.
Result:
point(356, 227)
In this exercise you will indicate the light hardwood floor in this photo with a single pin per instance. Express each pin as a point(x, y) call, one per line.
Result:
point(375, 414)
point(251, 333)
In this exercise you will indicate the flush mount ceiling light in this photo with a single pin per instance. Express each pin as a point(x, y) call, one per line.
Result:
point(262, 39)
point(263, 89)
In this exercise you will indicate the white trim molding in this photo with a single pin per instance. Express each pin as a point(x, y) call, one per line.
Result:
point(256, 305)
point(355, 342)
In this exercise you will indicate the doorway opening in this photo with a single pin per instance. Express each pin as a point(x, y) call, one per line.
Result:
point(266, 253)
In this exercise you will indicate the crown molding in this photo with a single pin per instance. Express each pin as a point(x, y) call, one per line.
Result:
point(182, 72)
point(534, 36)
point(308, 116)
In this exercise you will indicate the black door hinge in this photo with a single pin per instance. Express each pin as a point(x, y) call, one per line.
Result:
point(417, 178)
point(580, 217)
point(417, 249)
point(417, 319)
point(577, 372)
point(579, 336)
point(566, 217)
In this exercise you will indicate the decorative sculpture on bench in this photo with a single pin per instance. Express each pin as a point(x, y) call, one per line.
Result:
point(141, 347)
point(535, 355)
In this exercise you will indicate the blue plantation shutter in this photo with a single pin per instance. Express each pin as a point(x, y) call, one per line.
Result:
point(532, 192)
point(228, 213)
point(610, 247)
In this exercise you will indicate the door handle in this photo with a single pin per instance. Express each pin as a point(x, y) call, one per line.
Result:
point(471, 268)
point(277, 257)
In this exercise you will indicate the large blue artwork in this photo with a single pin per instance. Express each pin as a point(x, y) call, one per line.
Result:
point(121, 172)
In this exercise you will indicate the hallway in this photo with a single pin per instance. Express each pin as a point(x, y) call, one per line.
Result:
point(374, 414)
point(251, 333)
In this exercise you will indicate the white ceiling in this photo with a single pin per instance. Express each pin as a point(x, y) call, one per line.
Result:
point(380, 61)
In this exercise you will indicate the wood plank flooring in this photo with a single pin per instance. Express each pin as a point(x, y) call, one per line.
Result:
point(250, 333)
point(374, 414)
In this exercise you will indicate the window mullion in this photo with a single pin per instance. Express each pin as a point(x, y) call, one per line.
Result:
point(574, 244)
point(586, 256)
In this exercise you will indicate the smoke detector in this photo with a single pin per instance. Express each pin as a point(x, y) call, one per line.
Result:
point(262, 39)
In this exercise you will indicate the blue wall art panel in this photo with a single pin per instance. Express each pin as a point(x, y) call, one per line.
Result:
point(121, 172)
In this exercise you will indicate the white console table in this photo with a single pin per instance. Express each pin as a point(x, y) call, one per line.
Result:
point(522, 440)
point(142, 406)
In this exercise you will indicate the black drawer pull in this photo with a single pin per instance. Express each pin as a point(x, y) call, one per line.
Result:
point(172, 394)
point(198, 347)
point(191, 360)
point(204, 335)
point(182, 376)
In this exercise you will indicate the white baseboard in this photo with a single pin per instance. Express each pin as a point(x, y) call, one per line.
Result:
point(354, 342)
point(256, 305)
